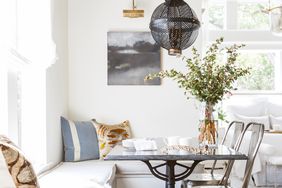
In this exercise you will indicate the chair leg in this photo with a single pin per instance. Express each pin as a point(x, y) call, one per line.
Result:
point(189, 185)
point(266, 173)
point(275, 178)
point(184, 184)
point(253, 180)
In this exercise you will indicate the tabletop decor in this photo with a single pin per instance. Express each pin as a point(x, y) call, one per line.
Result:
point(208, 79)
point(189, 149)
point(174, 26)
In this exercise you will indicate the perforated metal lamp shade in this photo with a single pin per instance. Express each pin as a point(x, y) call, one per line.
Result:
point(174, 26)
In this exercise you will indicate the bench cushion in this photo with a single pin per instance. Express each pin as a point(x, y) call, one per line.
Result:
point(84, 174)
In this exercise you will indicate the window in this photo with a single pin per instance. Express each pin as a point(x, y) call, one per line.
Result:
point(216, 14)
point(26, 50)
point(3, 99)
point(24, 109)
point(14, 105)
point(250, 15)
point(262, 76)
point(240, 14)
point(243, 21)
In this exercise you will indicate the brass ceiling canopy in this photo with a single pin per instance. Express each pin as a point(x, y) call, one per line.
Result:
point(133, 13)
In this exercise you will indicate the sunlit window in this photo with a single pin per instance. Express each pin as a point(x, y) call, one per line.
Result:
point(245, 14)
point(246, 22)
point(27, 49)
point(262, 73)
point(251, 16)
point(216, 15)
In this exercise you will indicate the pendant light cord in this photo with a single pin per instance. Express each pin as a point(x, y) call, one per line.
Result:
point(133, 4)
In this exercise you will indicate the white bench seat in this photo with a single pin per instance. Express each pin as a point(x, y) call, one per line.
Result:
point(105, 174)
point(85, 174)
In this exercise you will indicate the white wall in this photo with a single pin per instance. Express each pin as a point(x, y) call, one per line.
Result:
point(57, 84)
point(152, 110)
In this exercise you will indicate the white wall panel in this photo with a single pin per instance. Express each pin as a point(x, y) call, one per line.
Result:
point(57, 84)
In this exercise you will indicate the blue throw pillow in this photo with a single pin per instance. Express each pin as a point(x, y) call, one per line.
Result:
point(80, 140)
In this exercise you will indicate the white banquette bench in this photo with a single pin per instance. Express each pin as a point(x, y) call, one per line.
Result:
point(102, 174)
point(85, 145)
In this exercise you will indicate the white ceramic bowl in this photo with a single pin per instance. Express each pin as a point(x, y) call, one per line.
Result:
point(128, 143)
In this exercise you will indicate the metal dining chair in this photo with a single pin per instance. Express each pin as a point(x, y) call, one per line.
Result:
point(213, 178)
point(257, 131)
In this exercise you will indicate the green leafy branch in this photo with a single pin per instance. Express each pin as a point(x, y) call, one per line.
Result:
point(206, 78)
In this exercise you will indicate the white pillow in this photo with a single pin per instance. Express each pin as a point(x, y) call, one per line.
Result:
point(274, 109)
point(248, 109)
point(267, 149)
point(257, 119)
point(275, 121)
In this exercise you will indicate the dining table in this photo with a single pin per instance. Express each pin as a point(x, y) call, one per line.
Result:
point(172, 156)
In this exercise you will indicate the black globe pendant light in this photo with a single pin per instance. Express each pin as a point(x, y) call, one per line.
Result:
point(174, 26)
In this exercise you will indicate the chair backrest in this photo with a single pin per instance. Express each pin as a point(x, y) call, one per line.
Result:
point(257, 132)
point(238, 128)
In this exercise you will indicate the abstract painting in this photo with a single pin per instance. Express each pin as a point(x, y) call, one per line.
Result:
point(132, 56)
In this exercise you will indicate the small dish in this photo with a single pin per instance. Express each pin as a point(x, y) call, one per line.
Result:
point(128, 143)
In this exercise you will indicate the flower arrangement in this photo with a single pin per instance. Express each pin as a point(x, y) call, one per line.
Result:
point(208, 80)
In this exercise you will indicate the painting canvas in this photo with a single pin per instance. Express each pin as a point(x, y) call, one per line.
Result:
point(132, 56)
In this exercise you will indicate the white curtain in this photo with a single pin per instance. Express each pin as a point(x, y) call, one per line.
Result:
point(26, 45)
point(28, 31)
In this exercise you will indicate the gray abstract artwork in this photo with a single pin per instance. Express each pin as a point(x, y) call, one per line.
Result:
point(132, 56)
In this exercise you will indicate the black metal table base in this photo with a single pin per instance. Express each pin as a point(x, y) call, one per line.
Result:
point(170, 177)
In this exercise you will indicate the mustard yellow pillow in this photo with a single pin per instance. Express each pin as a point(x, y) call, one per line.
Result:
point(110, 135)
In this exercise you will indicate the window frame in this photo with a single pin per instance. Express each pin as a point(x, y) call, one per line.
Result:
point(254, 40)
point(32, 69)
point(277, 69)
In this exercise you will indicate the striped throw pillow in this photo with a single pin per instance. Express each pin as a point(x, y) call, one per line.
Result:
point(80, 140)
point(110, 135)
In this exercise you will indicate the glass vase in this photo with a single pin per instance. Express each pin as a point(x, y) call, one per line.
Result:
point(276, 21)
point(208, 126)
